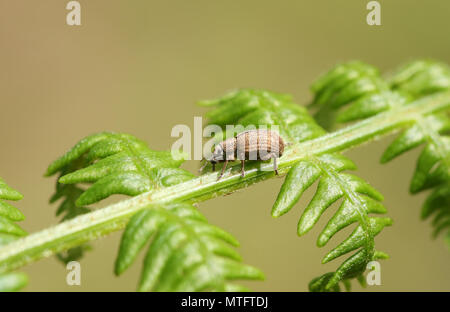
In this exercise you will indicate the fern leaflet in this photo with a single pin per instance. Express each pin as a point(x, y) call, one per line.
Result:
point(186, 253)
point(69, 193)
point(411, 82)
point(10, 231)
point(117, 164)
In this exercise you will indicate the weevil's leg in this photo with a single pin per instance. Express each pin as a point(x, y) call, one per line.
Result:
point(275, 165)
point(242, 168)
point(223, 169)
point(213, 166)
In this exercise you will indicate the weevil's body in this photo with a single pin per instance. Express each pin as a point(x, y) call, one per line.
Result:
point(249, 145)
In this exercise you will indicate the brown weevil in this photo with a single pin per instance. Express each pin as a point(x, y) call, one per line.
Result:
point(259, 144)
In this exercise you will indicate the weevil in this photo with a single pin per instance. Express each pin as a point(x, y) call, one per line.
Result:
point(259, 144)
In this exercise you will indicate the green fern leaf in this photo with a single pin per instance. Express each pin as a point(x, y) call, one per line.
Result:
point(359, 200)
point(355, 90)
point(295, 125)
point(114, 164)
point(248, 107)
point(438, 206)
point(118, 164)
point(10, 231)
point(421, 78)
point(411, 82)
point(351, 91)
point(13, 281)
point(351, 268)
point(69, 193)
point(371, 104)
point(186, 253)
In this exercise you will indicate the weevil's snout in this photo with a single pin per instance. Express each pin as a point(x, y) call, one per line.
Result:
point(207, 160)
point(214, 158)
point(217, 154)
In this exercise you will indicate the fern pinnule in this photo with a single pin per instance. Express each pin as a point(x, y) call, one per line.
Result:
point(349, 92)
point(185, 254)
point(248, 107)
point(10, 231)
point(9, 214)
point(118, 164)
point(438, 206)
point(68, 194)
point(359, 200)
point(335, 87)
point(421, 77)
point(433, 166)
point(411, 82)
point(354, 91)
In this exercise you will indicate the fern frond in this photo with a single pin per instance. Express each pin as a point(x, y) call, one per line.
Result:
point(321, 283)
point(351, 91)
point(13, 281)
point(359, 199)
point(421, 78)
point(433, 166)
point(413, 81)
point(68, 194)
point(106, 159)
point(438, 206)
point(355, 90)
point(10, 231)
point(9, 214)
point(247, 107)
point(117, 163)
point(186, 253)
point(122, 164)
point(114, 164)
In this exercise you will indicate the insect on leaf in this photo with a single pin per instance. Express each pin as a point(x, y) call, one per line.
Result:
point(358, 198)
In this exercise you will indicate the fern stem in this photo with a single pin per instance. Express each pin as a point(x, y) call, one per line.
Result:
point(114, 217)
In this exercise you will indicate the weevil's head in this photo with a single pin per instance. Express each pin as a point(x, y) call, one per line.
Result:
point(217, 155)
point(214, 158)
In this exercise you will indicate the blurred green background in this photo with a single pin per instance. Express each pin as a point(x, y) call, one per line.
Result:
point(139, 67)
